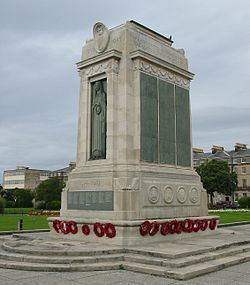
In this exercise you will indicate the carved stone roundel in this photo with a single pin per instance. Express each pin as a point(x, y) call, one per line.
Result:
point(153, 195)
point(194, 195)
point(181, 195)
point(101, 37)
point(168, 195)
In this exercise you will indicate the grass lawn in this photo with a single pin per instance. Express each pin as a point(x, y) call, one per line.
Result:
point(230, 217)
point(9, 222)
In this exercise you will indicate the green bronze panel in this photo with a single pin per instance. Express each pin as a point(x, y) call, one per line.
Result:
point(183, 142)
point(91, 200)
point(98, 119)
point(149, 118)
point(166, 122)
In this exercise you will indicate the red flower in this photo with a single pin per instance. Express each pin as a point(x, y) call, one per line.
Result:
point(110, 230)
point(145, 228)
point(187, 225)
point(165, 228)
point(64, 226)
point(204, 224)
point(85, 229)
point(56, 225)
point(212, 224)
point(99, 230)
point(154, 228)
point(73, 227)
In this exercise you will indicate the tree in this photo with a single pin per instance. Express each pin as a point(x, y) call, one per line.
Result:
point(23, 198)
point(17, 198)
point(216, 177)
point(2, 205)
point(49, 190)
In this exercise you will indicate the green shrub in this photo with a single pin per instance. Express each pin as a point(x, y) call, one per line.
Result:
point(2, 205)
point(53, 205)
point(9, 204)
point(244, 202)
point(40, 205)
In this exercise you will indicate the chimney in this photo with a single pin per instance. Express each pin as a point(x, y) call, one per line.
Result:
point(197, 150)
point(240, 146)
point(217, 148)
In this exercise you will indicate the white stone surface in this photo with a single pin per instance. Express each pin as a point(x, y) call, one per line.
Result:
point(141, 190)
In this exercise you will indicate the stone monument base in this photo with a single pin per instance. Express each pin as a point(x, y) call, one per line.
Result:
point(180, 259)
point(131, 233)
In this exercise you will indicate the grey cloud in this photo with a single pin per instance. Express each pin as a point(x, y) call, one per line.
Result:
point(220, 125)
point(39, 86)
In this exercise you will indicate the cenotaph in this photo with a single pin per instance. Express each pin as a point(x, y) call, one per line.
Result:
point(134, 181)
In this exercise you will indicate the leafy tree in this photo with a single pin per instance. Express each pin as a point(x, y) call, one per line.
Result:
point(9, 197)
point(2, 205)
point(20, 198)
point(216, 177)
point(23, 198)
point(49, 190)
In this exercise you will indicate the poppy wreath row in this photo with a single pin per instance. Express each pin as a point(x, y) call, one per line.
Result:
point(176, 227)
point(65, 227)
point(100, 230)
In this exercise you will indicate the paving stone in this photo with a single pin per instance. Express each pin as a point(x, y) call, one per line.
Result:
point(4, 280)
point(244, 268)
point(238, 283)
point(18, 274)
point(77, 275)
point(204, 280)
point(49, 280)
point(230, 275)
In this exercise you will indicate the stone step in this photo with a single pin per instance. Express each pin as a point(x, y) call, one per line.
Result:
point(59, 252)
point(188, 272)
point(186, 261)
point(60, 259)
point(195, 270)
point(185, 253)
point(49, 267)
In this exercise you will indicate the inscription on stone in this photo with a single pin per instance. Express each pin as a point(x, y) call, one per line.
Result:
point(91, 200)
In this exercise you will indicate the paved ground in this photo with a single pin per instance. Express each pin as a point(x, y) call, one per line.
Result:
point(235, 275)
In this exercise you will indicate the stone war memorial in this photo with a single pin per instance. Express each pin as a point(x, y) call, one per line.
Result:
point(133, 201)
point(134, 182)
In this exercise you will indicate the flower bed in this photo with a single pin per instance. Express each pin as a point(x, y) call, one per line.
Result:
point(45, 213)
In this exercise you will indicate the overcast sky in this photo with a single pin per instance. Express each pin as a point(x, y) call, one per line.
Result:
point(40, 42)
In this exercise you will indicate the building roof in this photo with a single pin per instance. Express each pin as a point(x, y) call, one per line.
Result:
point(219, 154)
point(241, 152)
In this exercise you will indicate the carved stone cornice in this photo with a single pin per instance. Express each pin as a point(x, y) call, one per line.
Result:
point(162, 69)
point(105, 62)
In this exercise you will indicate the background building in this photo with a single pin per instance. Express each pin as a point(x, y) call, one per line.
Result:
point(238, 161)
point(24, 177)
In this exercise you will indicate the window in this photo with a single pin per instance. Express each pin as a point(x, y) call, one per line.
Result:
point(14, 182)
point(244, 183)
point(243, 170)
point(236, 196)
point(243, 160)
point(244, 194)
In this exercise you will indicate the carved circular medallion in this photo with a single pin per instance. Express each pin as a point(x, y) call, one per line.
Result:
point(101, 37)
point(181, 195)
point(193, 195)
point(153, 195)
point(168, 195)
